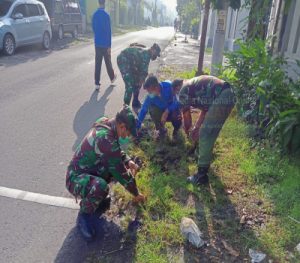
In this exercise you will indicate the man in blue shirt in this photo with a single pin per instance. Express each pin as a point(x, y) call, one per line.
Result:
point(162, 104)
point(102, 36)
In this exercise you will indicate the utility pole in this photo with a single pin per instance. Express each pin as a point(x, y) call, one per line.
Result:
point(203, 37)
point(219, 38)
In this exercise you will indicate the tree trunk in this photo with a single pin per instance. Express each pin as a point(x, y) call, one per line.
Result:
point(203, 37)
point(259, 19)
point(219, 39)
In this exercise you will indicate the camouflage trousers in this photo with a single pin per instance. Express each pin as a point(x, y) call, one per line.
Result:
point(132, 86)
point(91, 189)
point(214, 120)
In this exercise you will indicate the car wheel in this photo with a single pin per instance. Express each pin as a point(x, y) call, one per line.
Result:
point(9, 45)
point(61, 32)
point(75, 32)
point(46, 40)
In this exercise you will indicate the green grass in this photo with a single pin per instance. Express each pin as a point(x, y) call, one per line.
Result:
point(264, 174)
point(251, 171)
point(258, 173)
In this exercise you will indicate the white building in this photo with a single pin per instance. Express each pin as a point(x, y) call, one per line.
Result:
point(285, 28)
point(236, 26)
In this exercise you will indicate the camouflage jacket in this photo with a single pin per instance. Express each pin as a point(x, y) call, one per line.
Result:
point(99, 154)
point(137, 62)
point(200, 92)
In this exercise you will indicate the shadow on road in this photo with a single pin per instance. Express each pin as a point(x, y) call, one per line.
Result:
point(111, 245)
point(88, 113)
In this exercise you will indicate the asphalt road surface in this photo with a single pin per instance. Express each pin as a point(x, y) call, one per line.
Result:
point(47, 104)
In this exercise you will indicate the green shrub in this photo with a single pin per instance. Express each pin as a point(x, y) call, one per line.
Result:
point(266, 97)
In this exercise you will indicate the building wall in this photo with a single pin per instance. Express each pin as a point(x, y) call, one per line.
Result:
point(292, 45)
point(211, 28)
point(91, 7)
point(112, 7)
point(286, 30)
point(236, 27)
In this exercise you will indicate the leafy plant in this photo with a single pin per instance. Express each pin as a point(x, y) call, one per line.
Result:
point(267, 98)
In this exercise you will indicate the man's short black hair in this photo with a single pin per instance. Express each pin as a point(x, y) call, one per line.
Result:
point(151, 81)
point(101, 2)
point(177, 82)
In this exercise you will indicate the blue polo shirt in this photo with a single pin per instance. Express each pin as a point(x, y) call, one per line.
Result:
point(102, 28)
point(166, 100)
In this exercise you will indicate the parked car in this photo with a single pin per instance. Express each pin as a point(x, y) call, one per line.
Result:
point(65, 16)
point(23, 22)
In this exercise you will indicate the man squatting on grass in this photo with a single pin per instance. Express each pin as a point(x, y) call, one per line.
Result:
point(162, 104)
point(215, 98)
point(97, 161)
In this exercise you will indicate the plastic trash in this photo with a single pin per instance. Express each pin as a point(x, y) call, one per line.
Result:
point(191, 232)
point(298, 248)
point(256, 257)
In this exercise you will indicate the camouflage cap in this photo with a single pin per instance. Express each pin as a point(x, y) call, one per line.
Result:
point(126, 115)
point(157, 48)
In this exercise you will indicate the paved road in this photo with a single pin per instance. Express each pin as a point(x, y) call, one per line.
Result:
point(47, 103)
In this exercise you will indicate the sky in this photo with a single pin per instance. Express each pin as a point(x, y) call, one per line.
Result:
point(171, 4)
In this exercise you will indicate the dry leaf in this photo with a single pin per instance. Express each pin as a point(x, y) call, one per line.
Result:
point(230, 249)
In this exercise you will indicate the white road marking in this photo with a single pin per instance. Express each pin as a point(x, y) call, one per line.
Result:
point(39, 198)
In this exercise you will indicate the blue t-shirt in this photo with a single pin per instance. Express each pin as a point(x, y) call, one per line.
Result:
point(166, 100)
point(102, 28)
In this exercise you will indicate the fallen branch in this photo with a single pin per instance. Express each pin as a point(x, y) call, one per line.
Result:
point(294, 219)
point(112, 252)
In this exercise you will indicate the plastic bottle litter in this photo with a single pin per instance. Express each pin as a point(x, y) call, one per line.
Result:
point(191, 232)
point(256, 257)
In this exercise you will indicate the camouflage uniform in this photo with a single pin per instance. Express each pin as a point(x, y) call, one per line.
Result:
point(133, 63)
point(215, 97)
point(98, 160)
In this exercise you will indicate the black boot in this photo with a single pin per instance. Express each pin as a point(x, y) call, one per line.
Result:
point(200, 178)
point(103, 206)
point(136, 102)
point(85, 226)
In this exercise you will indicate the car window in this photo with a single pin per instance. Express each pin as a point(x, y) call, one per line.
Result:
point(59, 7)
point(20, 9)
point(71, 6)
point(33, 10)
point(41, 9)
point(4, 7)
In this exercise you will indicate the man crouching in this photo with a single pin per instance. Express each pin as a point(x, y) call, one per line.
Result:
point(98, 160)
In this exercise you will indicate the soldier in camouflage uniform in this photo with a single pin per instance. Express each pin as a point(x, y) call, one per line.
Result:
point(133, 63)
point(97, 161)
point(215, 99)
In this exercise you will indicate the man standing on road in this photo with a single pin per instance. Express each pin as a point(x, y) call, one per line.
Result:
point(162, 105)
point(97, 161)
point(215, 99)
point(133, 63)
point(102, 35)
